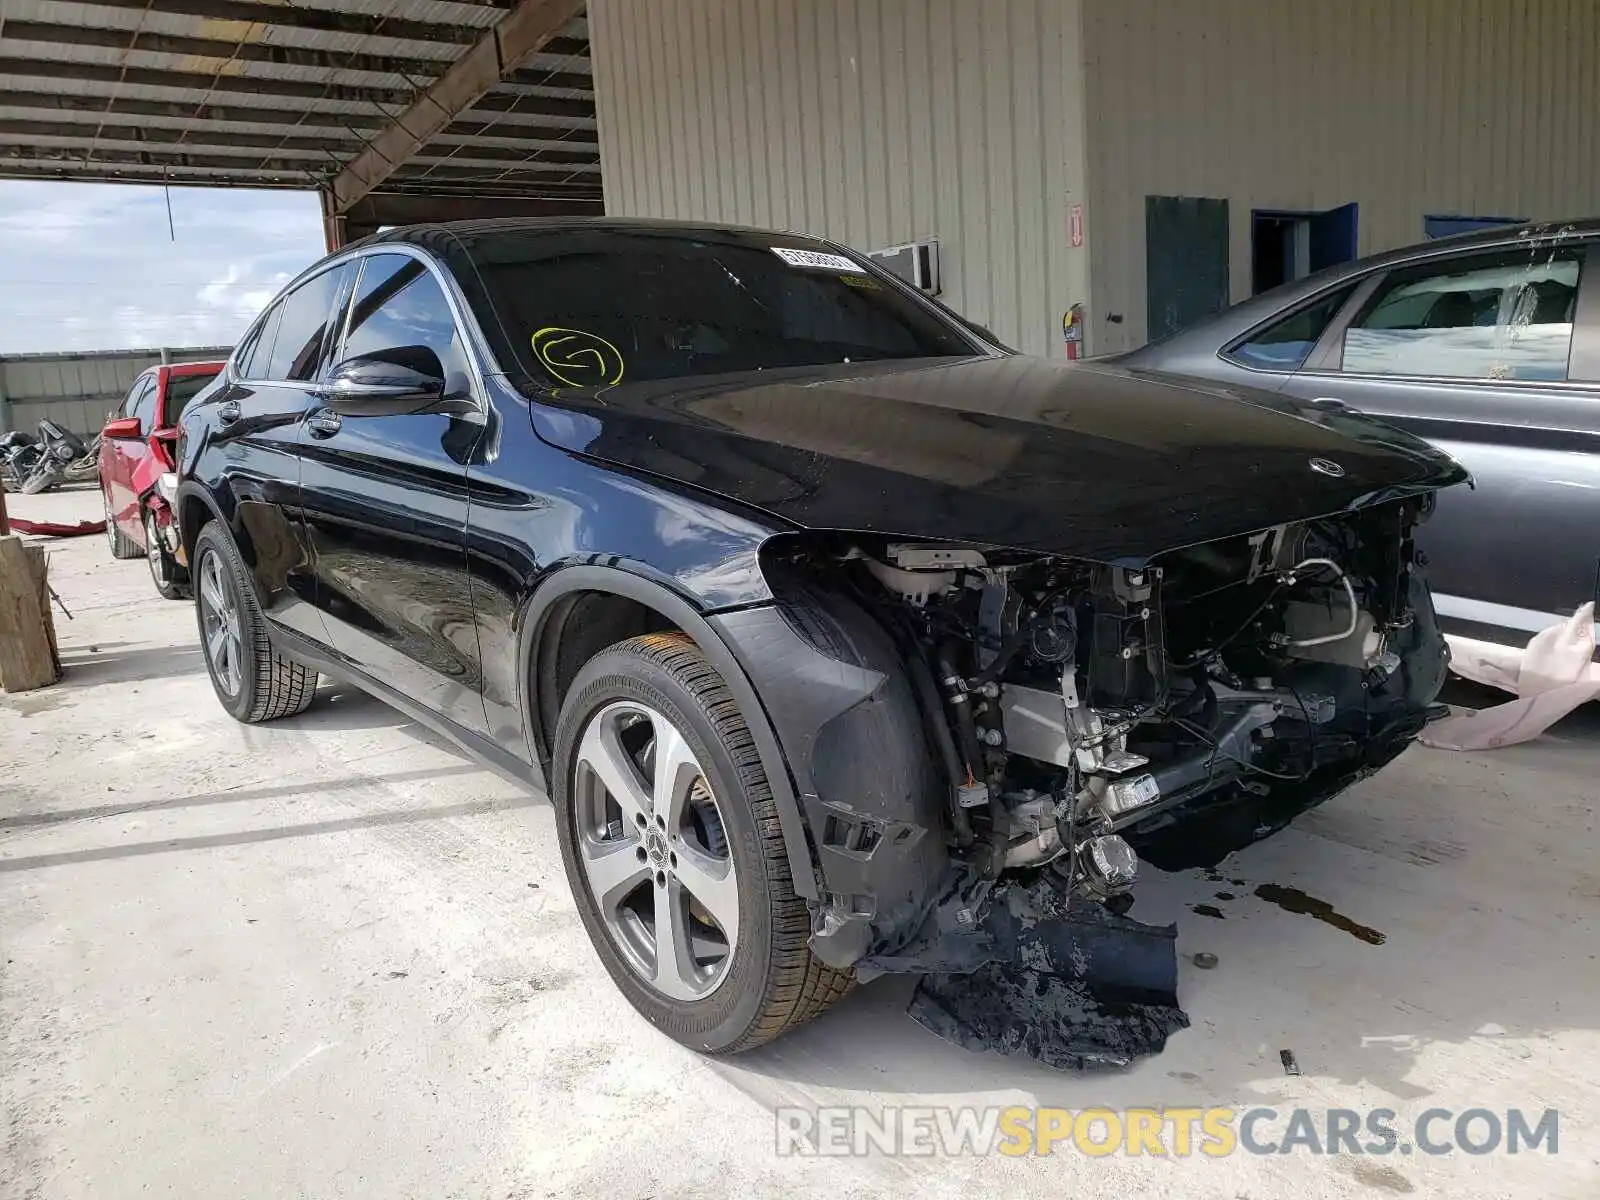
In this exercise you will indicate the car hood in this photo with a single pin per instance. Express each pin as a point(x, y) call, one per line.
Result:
point(1086, 460)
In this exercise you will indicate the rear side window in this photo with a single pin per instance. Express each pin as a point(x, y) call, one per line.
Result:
point(1284, 345)
point(180, 390)
point(1506, 316)
point(257, 346)
point(302, 329)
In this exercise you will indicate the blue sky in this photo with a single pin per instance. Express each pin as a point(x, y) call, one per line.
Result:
point(88, 266)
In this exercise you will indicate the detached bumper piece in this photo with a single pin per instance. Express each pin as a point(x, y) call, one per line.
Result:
point(1071, 986)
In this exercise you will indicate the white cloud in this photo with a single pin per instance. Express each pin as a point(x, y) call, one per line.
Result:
point(93, 266)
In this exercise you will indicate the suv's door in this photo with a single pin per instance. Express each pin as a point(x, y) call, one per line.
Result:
point(252, 459)
point(386, 503)
point(1475, 353)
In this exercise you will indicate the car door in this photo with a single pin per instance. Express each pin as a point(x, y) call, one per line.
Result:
point(253, 454)
point(1489, 356)
point(385, 499)
point(119, 455)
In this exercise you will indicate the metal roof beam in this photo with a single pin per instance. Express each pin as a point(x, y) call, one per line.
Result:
point(254, 85)
point(525, 30)
point(387, 208)
point(321, 20)
point(238, 51)
point(97, 106)
point(159, 159)
point(198, 158)
point(424, 69)
point(14, 132)
point(192, 81)
point(209, 120)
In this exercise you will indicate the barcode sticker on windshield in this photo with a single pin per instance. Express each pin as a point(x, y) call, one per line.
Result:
point(814, 258)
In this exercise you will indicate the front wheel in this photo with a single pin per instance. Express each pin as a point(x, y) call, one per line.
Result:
point(171, 580)
point(673, 849)
point(252, 680)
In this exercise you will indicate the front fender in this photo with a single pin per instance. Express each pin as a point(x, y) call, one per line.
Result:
point(612, 576)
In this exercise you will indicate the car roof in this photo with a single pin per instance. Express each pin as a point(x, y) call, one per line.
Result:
point(416, 234)
point(1483, 239)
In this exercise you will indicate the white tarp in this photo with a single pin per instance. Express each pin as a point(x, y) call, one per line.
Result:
point(1550, 677)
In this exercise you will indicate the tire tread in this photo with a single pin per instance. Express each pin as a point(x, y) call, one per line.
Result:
point(283, 687)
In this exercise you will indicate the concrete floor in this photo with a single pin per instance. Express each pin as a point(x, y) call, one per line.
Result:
point(328, 957)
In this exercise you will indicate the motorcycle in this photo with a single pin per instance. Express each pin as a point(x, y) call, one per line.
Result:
point(37, 464)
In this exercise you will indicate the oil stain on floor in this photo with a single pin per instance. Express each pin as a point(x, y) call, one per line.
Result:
point(1294, 900)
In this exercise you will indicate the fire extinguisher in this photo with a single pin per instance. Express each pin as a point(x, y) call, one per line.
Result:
point(1072, 331)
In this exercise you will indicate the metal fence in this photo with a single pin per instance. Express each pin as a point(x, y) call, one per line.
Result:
point(77, 390)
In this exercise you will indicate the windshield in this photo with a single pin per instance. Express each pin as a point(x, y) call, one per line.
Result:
point(591, 307)
point(181, 389)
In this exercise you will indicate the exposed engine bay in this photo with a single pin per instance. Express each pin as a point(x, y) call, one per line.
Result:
point(1087, 716)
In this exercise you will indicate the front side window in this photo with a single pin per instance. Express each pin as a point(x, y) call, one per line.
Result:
point(302, 329)
point(398, 307)
point(131, 402)
point(1505, 316)
point(1284, 345)
point(144, 406)
point(597, 307)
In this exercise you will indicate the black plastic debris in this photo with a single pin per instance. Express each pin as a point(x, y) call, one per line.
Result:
point(1290, 1066)
point(1067, 984)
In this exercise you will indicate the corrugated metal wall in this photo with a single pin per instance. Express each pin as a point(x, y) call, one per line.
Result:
point(77, 390)
point(1462, 107)
point(872, 123)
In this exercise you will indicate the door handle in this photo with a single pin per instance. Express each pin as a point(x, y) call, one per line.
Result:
point(228, 413)
point(1334, 403)
point(324, 422)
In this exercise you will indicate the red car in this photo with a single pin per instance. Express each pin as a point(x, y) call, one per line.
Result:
point(136, 449)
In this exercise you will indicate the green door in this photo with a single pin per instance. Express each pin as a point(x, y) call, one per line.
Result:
point(1186, 261)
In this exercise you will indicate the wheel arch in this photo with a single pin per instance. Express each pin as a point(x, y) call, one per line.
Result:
point(195, 507)
point(587, 603)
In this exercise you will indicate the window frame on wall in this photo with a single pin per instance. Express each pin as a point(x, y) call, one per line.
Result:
point(1443, 225)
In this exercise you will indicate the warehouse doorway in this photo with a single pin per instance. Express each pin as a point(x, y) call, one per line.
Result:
point(1285, 246)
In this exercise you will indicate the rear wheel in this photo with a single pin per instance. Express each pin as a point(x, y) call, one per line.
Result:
point(672, 846)
point(171, 580)
point(253, 681)
point(122, 546)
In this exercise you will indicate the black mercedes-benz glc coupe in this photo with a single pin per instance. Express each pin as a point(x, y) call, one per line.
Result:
point(824, 619)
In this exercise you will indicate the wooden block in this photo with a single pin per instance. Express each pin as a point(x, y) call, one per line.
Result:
point(27, 632)
point(39, 565)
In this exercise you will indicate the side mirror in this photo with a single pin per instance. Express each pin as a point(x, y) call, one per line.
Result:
point(122, 429)
point(405, 379)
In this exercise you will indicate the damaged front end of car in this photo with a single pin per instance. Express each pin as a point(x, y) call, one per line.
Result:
point(988, 743)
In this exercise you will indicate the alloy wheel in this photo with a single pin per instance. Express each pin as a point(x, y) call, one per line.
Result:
point(654, 849)
point(154, 555)
point(219, 620)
